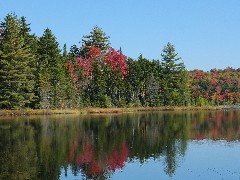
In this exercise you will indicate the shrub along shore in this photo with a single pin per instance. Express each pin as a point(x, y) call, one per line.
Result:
point(28, 112)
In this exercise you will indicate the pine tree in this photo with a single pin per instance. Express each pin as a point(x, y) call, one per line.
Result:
point(98, 87)
point(31, 42)
point(97, 38)
point(67, 95)
point(134, 81)
point(16, 70)
point(174, 78)
point(152, 90)
point(49, 67)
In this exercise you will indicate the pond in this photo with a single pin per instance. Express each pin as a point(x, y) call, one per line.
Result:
point(159, 145)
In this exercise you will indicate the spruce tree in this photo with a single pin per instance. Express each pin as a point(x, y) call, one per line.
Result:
point(16, 70)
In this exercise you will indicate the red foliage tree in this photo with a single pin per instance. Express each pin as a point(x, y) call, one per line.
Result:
point(117, 61)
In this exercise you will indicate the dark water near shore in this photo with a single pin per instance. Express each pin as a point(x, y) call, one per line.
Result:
point(161, 145)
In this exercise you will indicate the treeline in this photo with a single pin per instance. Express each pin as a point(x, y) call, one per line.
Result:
point(36, 73)
point(217, 87)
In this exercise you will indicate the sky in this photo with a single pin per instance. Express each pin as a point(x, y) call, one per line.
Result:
point(205, 33)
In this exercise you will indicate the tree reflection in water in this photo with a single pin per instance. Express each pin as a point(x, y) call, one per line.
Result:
point(97, 146)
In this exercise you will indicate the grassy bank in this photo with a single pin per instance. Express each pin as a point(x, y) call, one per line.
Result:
point(27, 112)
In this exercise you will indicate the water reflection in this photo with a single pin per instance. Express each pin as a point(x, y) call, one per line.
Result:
point(97, 146)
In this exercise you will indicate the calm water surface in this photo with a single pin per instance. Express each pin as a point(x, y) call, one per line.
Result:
point(162, 145)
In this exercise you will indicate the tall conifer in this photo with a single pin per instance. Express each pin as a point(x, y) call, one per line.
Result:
point(16, 70)
point(96, 38)
point(48, 67)
point(174, 78)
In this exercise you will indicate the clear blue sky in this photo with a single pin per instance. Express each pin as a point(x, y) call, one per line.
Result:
point(206, 33)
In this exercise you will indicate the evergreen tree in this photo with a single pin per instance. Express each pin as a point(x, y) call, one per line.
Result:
point(152, 90)
point(67, 93)
point(31, 42)
point(30, 39)
point(143, 82)
point(74, 51)
point(97, 38)
point(143, 74)
point(16, 70)
point(174, 78)
point(49, 67)
point(98, 87)
point(64, 52)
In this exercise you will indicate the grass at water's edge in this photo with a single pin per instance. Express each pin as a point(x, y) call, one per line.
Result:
point(26, 112)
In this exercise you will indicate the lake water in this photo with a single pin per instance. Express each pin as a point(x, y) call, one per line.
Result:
point(161, 145)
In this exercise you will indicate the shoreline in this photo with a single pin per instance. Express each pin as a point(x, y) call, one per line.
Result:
point(28, 112)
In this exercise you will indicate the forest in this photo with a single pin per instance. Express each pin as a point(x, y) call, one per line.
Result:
point(35, 73)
